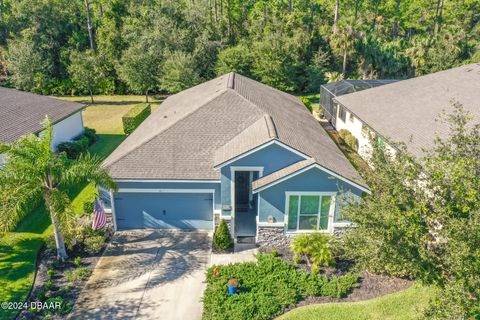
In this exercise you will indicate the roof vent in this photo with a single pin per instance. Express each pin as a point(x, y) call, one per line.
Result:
point(272, 130)
point(231, 80)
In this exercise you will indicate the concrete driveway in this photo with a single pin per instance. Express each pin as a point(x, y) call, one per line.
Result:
point(148, 274)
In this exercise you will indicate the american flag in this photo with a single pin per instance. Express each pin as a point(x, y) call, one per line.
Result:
point(99, 216)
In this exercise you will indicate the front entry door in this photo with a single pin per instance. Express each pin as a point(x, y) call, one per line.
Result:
point(245, 204)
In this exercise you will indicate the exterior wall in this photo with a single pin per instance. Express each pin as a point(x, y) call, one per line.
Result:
point(67, 129)
point(355, 127)
point(272, 200)
point(271, 158)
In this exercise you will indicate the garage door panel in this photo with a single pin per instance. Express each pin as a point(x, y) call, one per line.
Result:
point(165, 210)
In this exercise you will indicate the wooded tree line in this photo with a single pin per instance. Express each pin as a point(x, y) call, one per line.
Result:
point(145, 46)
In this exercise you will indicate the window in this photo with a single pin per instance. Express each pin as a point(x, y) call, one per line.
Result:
point(307, 212)
point(365, 130)
point(351, 117)
point(342, 114)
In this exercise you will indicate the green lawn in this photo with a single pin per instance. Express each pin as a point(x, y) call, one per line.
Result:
point(18, 249)
point(403, 305)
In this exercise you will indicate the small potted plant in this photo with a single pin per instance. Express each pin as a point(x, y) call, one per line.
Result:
point(232, 286)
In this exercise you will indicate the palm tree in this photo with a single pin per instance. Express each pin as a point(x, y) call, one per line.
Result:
point(343, 41)
point(33, 171)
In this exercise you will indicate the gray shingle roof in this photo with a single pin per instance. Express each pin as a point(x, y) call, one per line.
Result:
point(406, 111)
point(277, 175)
point(194, 129)
point(22, 113)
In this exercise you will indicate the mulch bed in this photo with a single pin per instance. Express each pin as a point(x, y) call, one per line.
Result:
point(48, 260)
point(371, 285)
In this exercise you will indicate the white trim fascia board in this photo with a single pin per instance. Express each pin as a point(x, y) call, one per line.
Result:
point(148, 190)
point(271, 225)
point(316, 165)
point(114, 215)
point(260, 147)
point(310, 193)
point(247, 168)
point(168, 181)
point(217, 211)
point(226, 218)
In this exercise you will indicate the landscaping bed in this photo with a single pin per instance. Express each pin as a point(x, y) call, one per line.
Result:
point(370, 285)
point(57, 281)
point(266, 288)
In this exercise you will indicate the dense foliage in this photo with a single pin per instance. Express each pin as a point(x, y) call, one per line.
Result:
point(73, 149)
point(422, 218)
point(315, 249)
point(135, 116)
point(266, 288)
point(46, 46)
point(222, 239)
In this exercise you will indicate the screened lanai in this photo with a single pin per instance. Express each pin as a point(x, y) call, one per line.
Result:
point(331, 90)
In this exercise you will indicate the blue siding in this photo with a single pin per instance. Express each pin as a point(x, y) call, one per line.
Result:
point(272, 200)
point(271, 158)
point(163, 210)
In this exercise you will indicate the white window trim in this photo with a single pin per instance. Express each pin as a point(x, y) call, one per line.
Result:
point(315, 165)
point(331, 212)
point(265, 145)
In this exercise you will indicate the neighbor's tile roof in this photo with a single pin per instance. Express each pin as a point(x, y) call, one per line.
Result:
point(22, 113)
point(194, 129)
point(408, 111)
point(285, 172)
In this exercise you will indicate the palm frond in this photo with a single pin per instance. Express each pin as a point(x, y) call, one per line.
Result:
point(87, 168)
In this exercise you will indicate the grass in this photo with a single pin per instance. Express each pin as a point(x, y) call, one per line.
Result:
point(105, 115)
point(403, 305)
point(18, 249)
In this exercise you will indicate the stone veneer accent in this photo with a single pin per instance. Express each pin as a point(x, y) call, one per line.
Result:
point(218, 218)
point(272, 237)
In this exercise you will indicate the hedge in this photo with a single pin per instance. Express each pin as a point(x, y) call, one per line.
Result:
point(80, 144)
point(135, 117)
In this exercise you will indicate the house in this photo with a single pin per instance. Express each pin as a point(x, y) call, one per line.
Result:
point(22, 113)
point(329, 91)
point(234, 149)
point(408, 111)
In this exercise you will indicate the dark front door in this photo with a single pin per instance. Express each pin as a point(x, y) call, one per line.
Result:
point(245, 204)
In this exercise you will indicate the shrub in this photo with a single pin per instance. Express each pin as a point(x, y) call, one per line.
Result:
point(352, 142)
point(315, 249)
point(83, 141)
point(50, 273)
point(338, 287)
point(222, 239)
point(266, 288)
point(77, 274)
point(94, 243)
point(48, 285)
point(343, 133)
point(41, 295)
point(77, 261)
point(135, 117)
point(91, 135)
point(307, 103)
point(72, 149)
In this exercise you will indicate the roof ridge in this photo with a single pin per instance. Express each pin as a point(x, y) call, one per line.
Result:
point(166, 129)
point(231, 80)
point(272, 130)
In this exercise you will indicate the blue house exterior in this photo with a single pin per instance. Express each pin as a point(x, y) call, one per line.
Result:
point(263, 164)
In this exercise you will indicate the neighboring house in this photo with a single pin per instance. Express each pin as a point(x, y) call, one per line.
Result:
point(22, 113)
point(407, 111)
point(234, 149)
